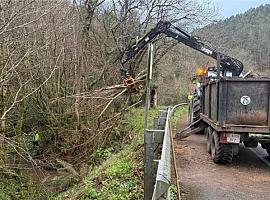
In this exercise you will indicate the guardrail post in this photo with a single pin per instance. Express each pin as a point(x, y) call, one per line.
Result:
point(162, 117)
point(156, 127)
point(148, 166)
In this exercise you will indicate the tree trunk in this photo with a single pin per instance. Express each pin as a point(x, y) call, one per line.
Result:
point(3, 124)
point(18, 130)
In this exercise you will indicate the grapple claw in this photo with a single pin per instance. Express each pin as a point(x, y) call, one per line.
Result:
point(131, 84)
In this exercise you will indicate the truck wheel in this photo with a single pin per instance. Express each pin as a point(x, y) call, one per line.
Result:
point(220, 153)
point(235, 149)
point(208, 132)
point(196, 108)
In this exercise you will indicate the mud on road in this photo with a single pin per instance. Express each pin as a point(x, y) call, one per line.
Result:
point(248, 177)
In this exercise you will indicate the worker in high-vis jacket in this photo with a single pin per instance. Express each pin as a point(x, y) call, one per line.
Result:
point(36, 138)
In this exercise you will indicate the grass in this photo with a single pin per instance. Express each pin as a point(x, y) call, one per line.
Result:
point(15, 186)
point(117, 174)
point(120, 176)
point(177, 113)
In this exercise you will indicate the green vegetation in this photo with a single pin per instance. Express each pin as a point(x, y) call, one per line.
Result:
point(60, 80)
point(173, 192)
point(121, 175)
point(177, 113)
point(15, 186)
point(116, 172)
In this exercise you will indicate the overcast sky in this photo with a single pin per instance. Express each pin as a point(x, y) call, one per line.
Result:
point(232, 7)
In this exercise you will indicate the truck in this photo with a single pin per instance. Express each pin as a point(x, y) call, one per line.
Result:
point(231, 110)
point(227, 106)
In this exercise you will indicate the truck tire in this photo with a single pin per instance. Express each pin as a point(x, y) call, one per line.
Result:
point(208, 132)
point(235, 149)
point(220, 153)
point(196, 108)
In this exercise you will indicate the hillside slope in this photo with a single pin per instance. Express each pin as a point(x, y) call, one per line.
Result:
point(245, 36)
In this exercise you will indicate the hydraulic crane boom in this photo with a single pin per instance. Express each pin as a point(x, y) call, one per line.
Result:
point(164, 27)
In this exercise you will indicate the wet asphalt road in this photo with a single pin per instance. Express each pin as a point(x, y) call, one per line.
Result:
point(248, 177)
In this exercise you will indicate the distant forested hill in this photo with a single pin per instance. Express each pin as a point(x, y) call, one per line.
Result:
point(245, 36)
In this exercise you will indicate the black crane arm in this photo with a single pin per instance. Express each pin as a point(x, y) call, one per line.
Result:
point(164, 27)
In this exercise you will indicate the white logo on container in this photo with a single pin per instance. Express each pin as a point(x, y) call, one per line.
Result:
point(245, 100)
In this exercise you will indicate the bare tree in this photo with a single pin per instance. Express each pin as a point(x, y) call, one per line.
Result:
point(58, 60)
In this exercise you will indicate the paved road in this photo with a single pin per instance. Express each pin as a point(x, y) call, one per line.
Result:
point(248, 177)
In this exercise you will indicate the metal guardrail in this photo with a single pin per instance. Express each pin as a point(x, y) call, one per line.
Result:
point(152, 141)
point(158, 165)
point(163, 175)
point(157, 170)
